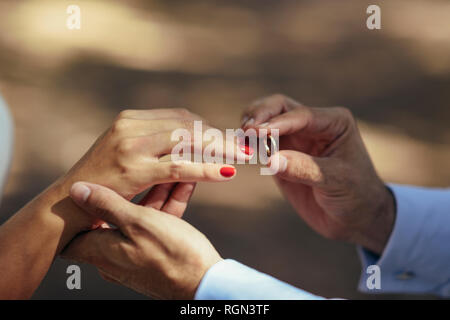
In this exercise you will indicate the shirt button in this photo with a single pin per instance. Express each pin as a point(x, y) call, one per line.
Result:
point(405, 275)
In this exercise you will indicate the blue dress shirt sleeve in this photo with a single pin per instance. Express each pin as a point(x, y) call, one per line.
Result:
point(230, 280)
point(417, 256)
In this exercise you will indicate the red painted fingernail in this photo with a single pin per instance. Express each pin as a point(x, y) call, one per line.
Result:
point(247, 150)
point(227, 172)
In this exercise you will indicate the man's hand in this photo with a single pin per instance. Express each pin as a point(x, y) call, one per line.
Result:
point(326, 172)
point(152, 252)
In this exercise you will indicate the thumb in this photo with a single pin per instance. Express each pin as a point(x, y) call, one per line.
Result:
point(103, 204)
point(299, 167)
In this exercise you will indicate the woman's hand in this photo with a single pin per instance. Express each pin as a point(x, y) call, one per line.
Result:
point(126, 159)
point(152, 252)
point(326, 172)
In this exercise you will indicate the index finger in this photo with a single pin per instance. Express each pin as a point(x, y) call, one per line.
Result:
point(329, 122)
point(265, 109)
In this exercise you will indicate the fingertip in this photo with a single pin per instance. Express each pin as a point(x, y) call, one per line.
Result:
point(228, 172)
point(278, 162)
point(190, 186)
point(259, 130)
point(244, 120)
point(80, 192)
point(248, 123)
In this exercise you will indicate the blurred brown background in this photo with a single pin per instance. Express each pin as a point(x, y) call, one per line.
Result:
point(214, 57)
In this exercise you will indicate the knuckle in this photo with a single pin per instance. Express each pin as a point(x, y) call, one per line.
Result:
point(125, 146)
point(278, 97)
point(124, 156)
point(271, 101)
point(345, 113)
point(125, 114)
point(183, 112)
point(139, 225)
point(175, 171)
point(209, 173)
point(305, 112)
point(282, 100)
point(346, 117)
point(120, 125)
point(124, 169)
point(188, 124)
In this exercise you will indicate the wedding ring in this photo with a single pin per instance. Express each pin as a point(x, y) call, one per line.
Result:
point(270, 145)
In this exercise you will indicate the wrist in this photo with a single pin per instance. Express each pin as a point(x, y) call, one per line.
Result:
point(55, 206)
point(375, 235)
point(198, 274)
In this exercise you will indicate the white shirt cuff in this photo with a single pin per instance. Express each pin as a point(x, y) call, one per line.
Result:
point(230, 280)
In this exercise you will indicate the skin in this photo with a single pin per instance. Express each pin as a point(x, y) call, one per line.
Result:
point(126, 159)
point(152, 252)
point(326, 172)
